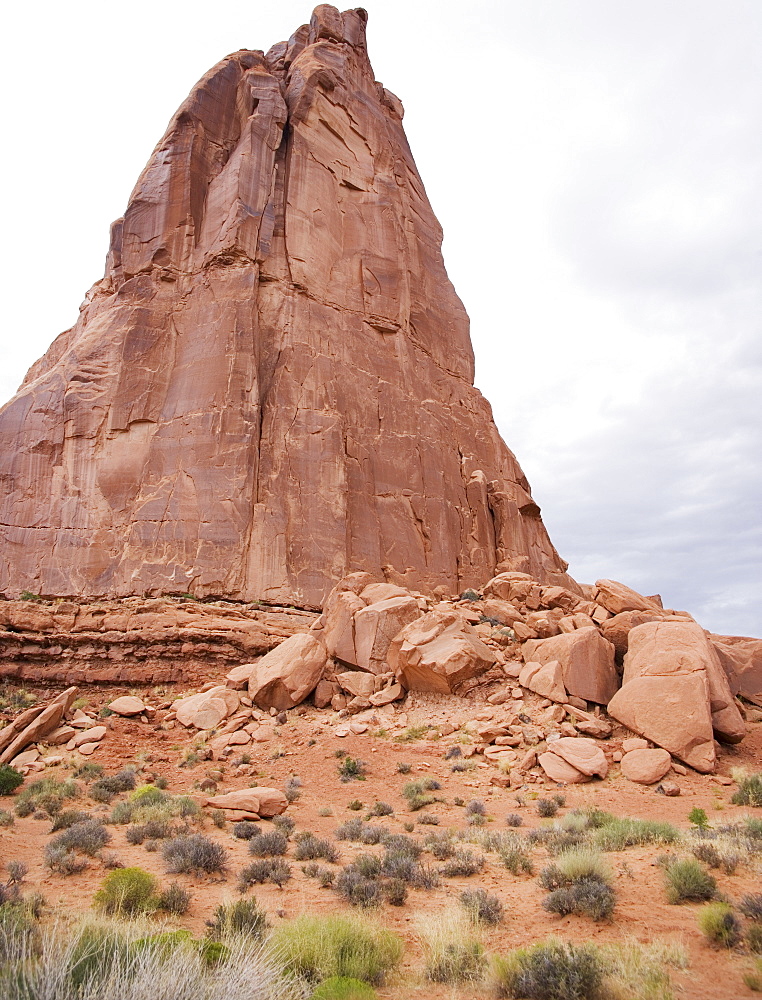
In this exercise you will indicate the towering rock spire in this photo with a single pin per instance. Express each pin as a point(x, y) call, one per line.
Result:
point(273, 383)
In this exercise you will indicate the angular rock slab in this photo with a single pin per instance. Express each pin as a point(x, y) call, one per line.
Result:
point(288, 674)
point(617, 597)
point(545, 679)
point(587, 662)
point(207, 709)
point(581, 753)
point(741, 659)
point(557, 769)
point(438, 652)
point(376, 625)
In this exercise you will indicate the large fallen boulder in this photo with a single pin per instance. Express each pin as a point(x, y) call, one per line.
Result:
point(34, 725)
point(377, 624)
point(587, 662)
point(207, 709)
point(438, 652)
point(289, 673)
point(617, 629)
point(675, 692)
point(545, 679)
point(574, 760)
point(264, 802)
point(646, 767)
point(617, 597)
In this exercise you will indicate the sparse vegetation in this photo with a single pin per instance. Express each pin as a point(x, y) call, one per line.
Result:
point(194, 853)
point(686, 881)
point(546, 807)
point(351, 769)
point(127, 892)
point(749, 792)
point(10, 779)
point(719, 925)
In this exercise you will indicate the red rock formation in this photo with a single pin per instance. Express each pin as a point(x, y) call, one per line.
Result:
point(273, 383)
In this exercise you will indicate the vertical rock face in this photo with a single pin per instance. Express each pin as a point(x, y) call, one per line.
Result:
point(273, 383)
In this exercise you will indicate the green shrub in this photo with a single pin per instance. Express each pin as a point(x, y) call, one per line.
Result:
point(749, 791)
point(10, 779)
point(351, 769)
point(46, 795)
point(127, 892)
point(698, 818)
point(753, 980)
point(68, 817)
point(319, 947)
point(719, 925)
point(615, 833)
point(417, 792)
point(244, 917)
point(550, 970)
point(686, 881)
point(343, 988)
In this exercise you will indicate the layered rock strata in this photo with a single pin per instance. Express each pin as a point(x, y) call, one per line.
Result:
point(272, 385)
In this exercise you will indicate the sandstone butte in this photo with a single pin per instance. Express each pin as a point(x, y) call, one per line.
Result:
point(272, 384)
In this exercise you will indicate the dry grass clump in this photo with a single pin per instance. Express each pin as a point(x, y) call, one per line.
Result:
point(719, 924)
point(482, 906)
point(46, 796)
point(687, 881)
point(749, 792)
point(463, 863)
point(579, 882)
point(244, 917)
point(452, 954)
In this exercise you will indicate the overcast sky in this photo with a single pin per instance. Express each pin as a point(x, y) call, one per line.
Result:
point(597, 169)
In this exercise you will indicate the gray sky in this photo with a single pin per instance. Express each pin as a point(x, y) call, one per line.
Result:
point(597, 169)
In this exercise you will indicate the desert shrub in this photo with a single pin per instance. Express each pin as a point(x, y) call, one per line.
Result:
point(244, 829)
point(751, 906)
point(194, 853)
point(310, 848)
point(17, 871)
point(514, 819)
point(292, 788)
point(67, 818)
point(719, 925)
point(463, 863)
point(274, 870)
point(64, 862)
point(749, 792)
point(351, 769)
point(126, 892)
point(10, 779)
point(355, 805)
point(243, 917)
point(583, 864)
point(589, 899)
point(269, 844)
point(546, 807)
point(88, 837)
point(6, 818)
point(405, 867)
point(343, 988)
point(284, 824)
point(428, 819)
point(482, 906)
point(717, 856)
point(550, 970)
point(440, 845)
point(451, 953)
point(174, 899)
point(754, 938)
point(517, 861)
point(105, 788)
point(476, 808)
point(88, 771)
point(404, 768)
point(395, 891)
point(416, 793)
point(753, 979)
point(615, 833)
point(45, 795)
point(317, 947)
point(687, 881)
point(380, 809)
point(358, 888)
point(324, 876)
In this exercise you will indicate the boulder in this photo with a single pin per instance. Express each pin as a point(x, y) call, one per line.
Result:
point(560, 597)
point(377, 624)
point(581, 753)
point(207, 709)
point(646, 767)
point(93, 735)
point(127, 705)
point(338, 625)
point(324, 691)
point(618, 628)
point(286, 675)
point(357, 683)
point(634, 743)
point(545, 679)
point(387, 695)
point(557, 769)
point(587, 662)
point(40, 725)
point(264, 802)
point(238, 677)
point(617, 597)
point(438, 652)
point(502, 611)
point(502, 586)
point(376, 592)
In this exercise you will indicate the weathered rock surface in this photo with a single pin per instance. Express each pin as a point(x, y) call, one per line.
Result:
point(288, 674)
point(438, 652)
point(587, 662)
point(741, 658)
point(618, 597)
point(273, 382)
point(573, 760)
point(28, 727)
point(127, 705)
point(646, 767)
point(545, 679)
point(264, 802)
point(207, 709)
point(675, 692)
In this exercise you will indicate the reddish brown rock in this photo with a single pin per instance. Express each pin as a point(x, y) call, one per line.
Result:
point(376, 626)
point(646, 767)
point(545, 679)
point(617, 597)
point(40, 725)
point(127, 705)
point(207, 709)
point(581, 753)
point(273, 382)
point(438, 652)
point(618, 628)
point(741, 658)
point(587, 662)
point(558, 769)
point(264, 802)
point(288, 674)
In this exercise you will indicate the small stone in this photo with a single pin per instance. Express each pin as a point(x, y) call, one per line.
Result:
point(358, 728)
point(342, 731)
point(679, 769)
point(670, 788)
point(634, 743)
point(617, 756)
point(88, 748)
